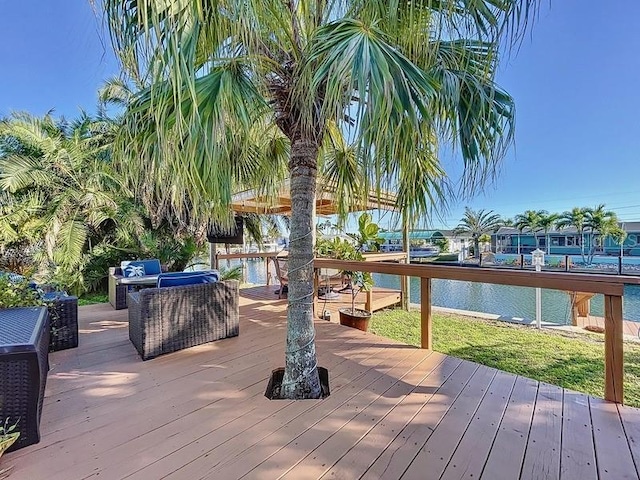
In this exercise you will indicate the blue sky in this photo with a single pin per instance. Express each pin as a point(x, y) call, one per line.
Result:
point(575, 81)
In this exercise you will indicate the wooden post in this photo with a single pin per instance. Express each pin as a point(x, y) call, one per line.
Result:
point(213, 261)
point(574, 308)
point(405, 286)
point(425, 314)
point(266, 264)
point(368, 303)
point(613, 349)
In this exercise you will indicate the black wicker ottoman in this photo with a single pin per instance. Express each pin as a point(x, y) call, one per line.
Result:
point(24, 362)
point(63, 321)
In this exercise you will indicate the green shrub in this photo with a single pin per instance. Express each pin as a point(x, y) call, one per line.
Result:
point(17, 293)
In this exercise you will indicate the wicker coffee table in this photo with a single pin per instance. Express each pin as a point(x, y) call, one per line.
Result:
point(24, 362)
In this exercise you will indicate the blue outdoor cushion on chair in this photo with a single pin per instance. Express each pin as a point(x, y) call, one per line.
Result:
point(177, 279)
point(140, 268)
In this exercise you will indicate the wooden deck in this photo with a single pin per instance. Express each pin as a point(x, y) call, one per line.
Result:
point(394, 412)
point(629, 328)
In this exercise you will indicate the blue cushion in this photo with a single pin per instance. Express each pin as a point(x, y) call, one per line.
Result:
point(52, 296)
point(140, 268)
point(176, 279)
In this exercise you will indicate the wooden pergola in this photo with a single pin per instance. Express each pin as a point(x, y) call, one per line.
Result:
point(252, 201)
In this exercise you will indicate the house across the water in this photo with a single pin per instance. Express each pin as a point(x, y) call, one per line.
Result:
point(566, 241)
point(424, 239)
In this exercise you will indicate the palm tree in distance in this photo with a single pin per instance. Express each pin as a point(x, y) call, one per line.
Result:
point(477, 223)
point(600, 223)
point(576, 217)
point(529, 220)
point(510, 222)
point(227, 74)
point(546, 222)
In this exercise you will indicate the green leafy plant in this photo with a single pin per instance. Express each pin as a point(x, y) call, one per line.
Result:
point(17, 293)
point(8, 436)
point(367, 238)
point(234, 273)
point(342, 249)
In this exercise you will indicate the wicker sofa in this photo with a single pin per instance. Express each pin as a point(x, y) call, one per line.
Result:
point(167, 319)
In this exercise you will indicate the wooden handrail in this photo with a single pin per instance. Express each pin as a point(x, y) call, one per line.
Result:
point(580, 282)
point(230, 256)
point(612, 286)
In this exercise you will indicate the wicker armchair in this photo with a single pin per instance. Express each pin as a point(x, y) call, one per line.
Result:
point(117, 292)
point(128, 268)
point(167, 319)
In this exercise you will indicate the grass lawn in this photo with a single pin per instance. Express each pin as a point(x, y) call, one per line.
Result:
point(571, 360)
point(91, 298)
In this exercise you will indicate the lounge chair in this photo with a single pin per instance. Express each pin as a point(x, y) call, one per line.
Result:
point(282, 272)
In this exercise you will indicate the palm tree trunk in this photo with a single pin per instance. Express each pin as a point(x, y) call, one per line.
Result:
point(301, 374)
point(546, 240)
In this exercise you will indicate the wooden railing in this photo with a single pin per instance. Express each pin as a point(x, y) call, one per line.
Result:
point(215, 259)
point(369, 257)
point(611, 286)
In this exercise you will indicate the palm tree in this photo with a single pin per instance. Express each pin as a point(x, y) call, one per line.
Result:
point(600, 223)
point(476, 224)
point(529, 220)
point(229, 77)
point(510, 222)
point(576, 217)
point(546, 221)
point(61, 183)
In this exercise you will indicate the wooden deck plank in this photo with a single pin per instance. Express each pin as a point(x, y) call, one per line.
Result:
point(136, 397)
point(475, 445)
point(396, 457)
point(363, 454)
point(577, 458)
point(143, 449)
point(542, 457)
point(507, 451)
point(630, 418)
point(436, 452)
point(201, 412)
point(613, 454)
point(197, 455)
point(317, 462)
point(335, 411)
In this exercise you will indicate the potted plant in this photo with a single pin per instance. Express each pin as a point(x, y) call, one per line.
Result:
point(8, 437)
point(352, 316)
point(342, 249)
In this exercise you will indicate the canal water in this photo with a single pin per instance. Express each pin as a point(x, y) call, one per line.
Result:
point(504, 300)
